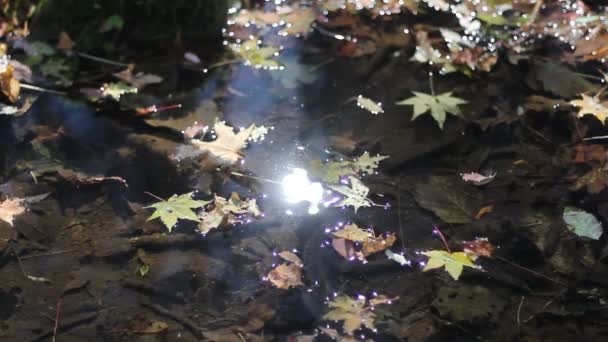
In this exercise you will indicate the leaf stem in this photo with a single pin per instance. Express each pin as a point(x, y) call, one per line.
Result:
point(238, 174)
point(153, 195)
point(445, 243)
point(431, 83)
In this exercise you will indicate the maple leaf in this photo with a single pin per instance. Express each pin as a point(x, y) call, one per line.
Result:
point(175, 208)
point(354, 312)
point(370, 243)
point(226, 149)
point(116, 90)
point(331, 172)
point(355, 196)
point(352, 232)
point(591, 105)
point(227, 211)
point(453, 262)
point(260, 57)
point(438, 105)
point(367, 164)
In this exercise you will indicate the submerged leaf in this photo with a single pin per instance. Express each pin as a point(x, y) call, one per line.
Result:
point(227, 211)
point(12, 207)
point(117, 89)
point(285, 276)
point(447, 198)
point(354, 312)
point(453, 262)
point(226, 149)
point(355, 196)
point(582, 223)
point(259, 57)
point(438, 105)
point(176, 207)
point(595, 181)
point(369, 105)
point(367, 164)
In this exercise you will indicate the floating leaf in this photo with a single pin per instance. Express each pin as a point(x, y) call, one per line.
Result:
point(377, 244)
point(453, 262)
point(438, 105)
point(356, 195)
point(291, 257)
point(367, 164)
point(591, 105)
point(398, 258)
point(12, 207)
point(253, 54)
point(116, 90)
point(226, 149)
point(227, 211)
point(582, 223)
point(354, 312)
point(9, 85)
point(477, 178)
point(446, 197)
point(352, 232)
point(177, 207)
point(285, 276)
point(331, 172)
point(479, 247)
point(369, 105)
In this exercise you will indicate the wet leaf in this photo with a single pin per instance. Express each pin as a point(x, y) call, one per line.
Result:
point(353, 233)
point(367, 164)
point(117, 89)
point(446, 199)
point(114, 22)
point(398, 258)
point(65, 42)
point(344, 247)
point(452, 262)
point(291, 257)
point(227, 211)
point(138, 80)
point(591, 105)
point(369, 105)
point(155, 327)
point(582, 223)
point(437, 105)
point(251, 53)
point(377, 244)
point(483, 211)
point(9, 85)
point(355, 195)
point(12, 207)
point(226, 149)
point(331, 172)
point(595, 181)
point(477, 178)
point(354, 313)
point(176, 208)
point(479, 247)
point(285, 276)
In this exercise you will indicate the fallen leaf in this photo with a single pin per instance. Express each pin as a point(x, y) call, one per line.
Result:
point(175, 208)
point(595, 181)
point(437, 105)
point(344, 247)
point(353, 233)
point(355, 195)
point(477, 178)
point(369, 105)
point(65, 42)
point(251, 53)
point(582, 223)
point(479, 247)
point(398, 258)
point(354, 313)
point(453, 262)
point(155, 327)
point(285, 276)
point(586, 153)
point(447, 198)
point(226, 149)
point(291, 257)
point(116, 90)
point(38, 279)
point(138, 80)
point(227, 211)
point(9, 85)
point(331, 172)
point(367, 164)
point(485, 210)
point(378, 244)
point(12, 207)
point(591, 105)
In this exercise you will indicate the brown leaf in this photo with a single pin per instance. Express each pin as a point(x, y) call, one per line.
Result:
point(485, 210)
point(291, 257)
point(10, 208)
point(479, 247)
point(9, 85)
point(65, 42)
point(587, 153)
point(285, 276)
point(378, 244)
point(595, 181)
point(344, 247)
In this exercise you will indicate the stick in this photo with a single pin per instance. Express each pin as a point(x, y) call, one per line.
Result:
point(101, 60)
point(57, 313)
point(445, 243)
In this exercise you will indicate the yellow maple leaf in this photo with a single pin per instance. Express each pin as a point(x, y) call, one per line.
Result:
point(453, 262)
point(591, 105)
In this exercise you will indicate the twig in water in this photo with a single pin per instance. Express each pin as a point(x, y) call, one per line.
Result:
point(57, 313)
point(521, 303)
point(238, 174)
point(101, 60)
point(445, 243)
point(40, 89)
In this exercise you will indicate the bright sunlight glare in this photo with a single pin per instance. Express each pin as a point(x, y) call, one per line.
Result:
point(298, 188)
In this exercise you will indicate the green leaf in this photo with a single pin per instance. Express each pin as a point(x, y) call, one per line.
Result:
point(582, 223)
point(116, 90)
point(438, 105)
point(452, 262)
point(177, 207)
point(367, 164)
point(114, 22)
point(259, 57)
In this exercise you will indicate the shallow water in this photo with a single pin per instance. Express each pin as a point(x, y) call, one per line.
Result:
point(89, 239)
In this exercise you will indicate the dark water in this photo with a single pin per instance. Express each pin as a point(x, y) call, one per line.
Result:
point(541, 286)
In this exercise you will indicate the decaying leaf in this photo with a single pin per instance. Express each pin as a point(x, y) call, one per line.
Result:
point(369, 105)
point(345, 248)
point(138, 80)
point(116, 90)
point(595, 181)
point(369, 243)
point(485, 210)
point(354, 313)
point(447, 198)
point(175, 208)
point(355, 195)
point(8, 84)
point(333, 172)
point(352, 232)
point(251, 53)
point(367, 164)
point(285, 276)
point(479, 247)
point(453, 262)
point(591, 105)
point(227, 211)
point(226, 149)
point(291, 257)
point(12, 207)
point(582, 223)
point(378, 244)
point(438, 105)
point(477, 178)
